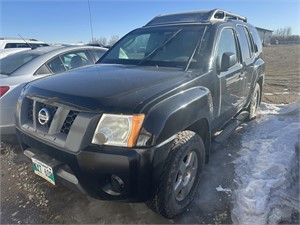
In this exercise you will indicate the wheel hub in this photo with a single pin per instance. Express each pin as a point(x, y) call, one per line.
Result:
point(186, 175)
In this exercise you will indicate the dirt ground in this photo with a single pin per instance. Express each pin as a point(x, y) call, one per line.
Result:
point(282, 81)
point(27, 198)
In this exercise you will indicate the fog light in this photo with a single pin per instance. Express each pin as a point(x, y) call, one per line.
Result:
point(117, 183)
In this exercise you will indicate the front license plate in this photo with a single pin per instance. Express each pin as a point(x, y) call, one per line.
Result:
point(43, 170)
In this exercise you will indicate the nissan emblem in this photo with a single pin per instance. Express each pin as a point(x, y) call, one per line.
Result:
point(43, 116)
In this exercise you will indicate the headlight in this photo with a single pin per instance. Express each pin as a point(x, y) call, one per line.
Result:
point(118, 130)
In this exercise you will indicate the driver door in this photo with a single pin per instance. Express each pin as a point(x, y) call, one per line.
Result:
point(231, 93)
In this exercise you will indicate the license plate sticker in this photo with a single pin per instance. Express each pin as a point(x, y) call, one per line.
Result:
point(43, 170)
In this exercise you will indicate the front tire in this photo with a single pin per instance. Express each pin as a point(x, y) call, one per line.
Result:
point(180, 178)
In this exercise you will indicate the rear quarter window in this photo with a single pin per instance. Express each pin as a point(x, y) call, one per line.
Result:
point(244, 42)
point(256, 39)
point(43, 70)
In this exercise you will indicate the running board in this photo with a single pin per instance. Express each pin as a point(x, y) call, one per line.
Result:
point(231, 126)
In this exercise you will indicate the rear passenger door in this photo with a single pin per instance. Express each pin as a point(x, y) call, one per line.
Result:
point(247, 59)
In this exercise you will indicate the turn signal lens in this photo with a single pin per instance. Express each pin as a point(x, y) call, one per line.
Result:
point(137, 121)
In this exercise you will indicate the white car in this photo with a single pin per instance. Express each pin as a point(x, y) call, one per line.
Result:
point(6, 43)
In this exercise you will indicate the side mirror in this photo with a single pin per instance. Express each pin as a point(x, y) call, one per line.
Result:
point(228, 60)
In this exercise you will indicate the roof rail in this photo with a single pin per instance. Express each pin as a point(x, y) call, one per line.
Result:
point(222, 15)
point(195, 17)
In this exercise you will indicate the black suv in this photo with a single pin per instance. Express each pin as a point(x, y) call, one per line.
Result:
point(139, 125)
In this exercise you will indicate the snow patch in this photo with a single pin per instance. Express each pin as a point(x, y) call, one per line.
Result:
point(267, 168)
point(281, 93)
point(220, 188)
point(268, 94)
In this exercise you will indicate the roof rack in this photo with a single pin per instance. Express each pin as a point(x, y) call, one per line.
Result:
point(196, 16)
point(222, 15)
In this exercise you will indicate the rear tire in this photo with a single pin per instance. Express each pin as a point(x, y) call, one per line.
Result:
point(255, 102)
point(180, 177)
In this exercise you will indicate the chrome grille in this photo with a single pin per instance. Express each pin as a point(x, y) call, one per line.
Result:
point(69, 121)
point(62, 122)
point(33, 109)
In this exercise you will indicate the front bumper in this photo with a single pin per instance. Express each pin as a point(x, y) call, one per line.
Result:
point(7, 129)
point(107, 173)
point(7, 123)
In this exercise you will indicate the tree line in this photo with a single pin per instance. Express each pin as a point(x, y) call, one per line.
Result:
point(104, 42)
point(284, 35)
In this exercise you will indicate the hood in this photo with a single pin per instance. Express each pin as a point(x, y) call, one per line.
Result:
point(108, 88)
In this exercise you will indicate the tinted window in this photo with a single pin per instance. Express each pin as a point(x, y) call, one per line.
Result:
point(227, 43)
point(250, 40)
point(17, 45)
point(56, 65)
point(24, 45)
point(256, 39)
point(244, 43)
point(43, 70)
point(12, 62)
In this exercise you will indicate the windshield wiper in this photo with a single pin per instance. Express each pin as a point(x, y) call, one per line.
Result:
point(154, 51)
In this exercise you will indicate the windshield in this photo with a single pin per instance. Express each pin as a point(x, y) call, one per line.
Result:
point(169, 47)
point(12, 62)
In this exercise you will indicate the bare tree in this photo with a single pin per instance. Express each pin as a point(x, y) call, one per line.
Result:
point(113, 39)
point(102, 41)
point(288, 31)
point(283, 31)
point(284, 35)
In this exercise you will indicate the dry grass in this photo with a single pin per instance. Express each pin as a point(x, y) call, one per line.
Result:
point(282, 83)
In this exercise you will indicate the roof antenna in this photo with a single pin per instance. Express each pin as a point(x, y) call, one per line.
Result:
point(91, 21)
point(26, 42)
